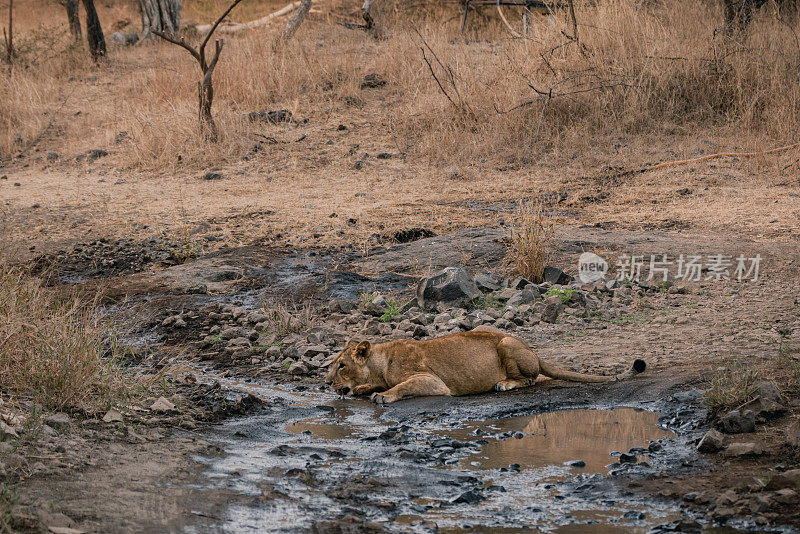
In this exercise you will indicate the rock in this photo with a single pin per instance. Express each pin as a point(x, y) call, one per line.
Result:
point(64, 530)
point(373, 81)
point(769, 401)
point(306, 352)
point(713, 441)
point(507, 293)
point(273, 117)
point(469, 497)
point(758, 504)
point(52, 156)
point(124, 39)
point(162, 405)
point(555, 275)
point(298, 368)
point(739, 449)
point(738, 422)
point(786, 496)
point(95, 154)
point(519, 283)
point(7, 432)
point(231, 332)
point(788, 479)
point(371, 328)
point(793, 433)
point(576, 463)
point(487, 283)
point(626, 458)
point(212, 176)
point(441, 319)
point(59, 421)
point(273, 352)
point(341, 306)
point(112, 416)
point(552, 308)
point(526, 296)
point(453, 285)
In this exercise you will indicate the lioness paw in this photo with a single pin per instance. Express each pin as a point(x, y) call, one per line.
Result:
point(505, 385)
point(380, 398)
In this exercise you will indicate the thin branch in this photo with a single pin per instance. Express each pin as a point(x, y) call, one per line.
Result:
point(441, 87)
point(210, 70)
point(181, 43)
point(214, 27)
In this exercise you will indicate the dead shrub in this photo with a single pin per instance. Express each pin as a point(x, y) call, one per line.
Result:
point(531, 236)
point(52, 347)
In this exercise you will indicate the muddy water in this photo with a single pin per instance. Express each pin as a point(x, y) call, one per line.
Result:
point(313, 457)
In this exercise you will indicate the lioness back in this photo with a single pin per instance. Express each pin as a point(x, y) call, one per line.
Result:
point(467, 362)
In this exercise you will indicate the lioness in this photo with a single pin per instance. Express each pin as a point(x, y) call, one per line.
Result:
point(482, 360)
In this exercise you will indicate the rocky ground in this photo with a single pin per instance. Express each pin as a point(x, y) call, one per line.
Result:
point(259, 315)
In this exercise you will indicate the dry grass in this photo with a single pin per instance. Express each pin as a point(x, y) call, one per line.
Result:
point(52, 348)
point(732, 386)
point(531, 237)
point(638, 70)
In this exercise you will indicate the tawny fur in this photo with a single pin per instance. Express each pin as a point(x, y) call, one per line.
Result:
point(458, 364)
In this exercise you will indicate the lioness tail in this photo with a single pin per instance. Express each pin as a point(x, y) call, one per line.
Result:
point(562, 374)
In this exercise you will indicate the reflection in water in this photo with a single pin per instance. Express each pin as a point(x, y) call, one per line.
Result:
point(341, 422)
point(556, 437)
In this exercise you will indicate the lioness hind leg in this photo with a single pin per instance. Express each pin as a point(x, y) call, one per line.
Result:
point(512, 383)
point(415, 386)
point(519, 361)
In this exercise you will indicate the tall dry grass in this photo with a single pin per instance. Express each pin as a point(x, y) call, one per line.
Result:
point(530, 245)
point(640, 69)
point(52, 348)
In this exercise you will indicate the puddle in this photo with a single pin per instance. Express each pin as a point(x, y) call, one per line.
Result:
point(554, 438)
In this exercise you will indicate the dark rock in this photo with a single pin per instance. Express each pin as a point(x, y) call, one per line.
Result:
point(273, 117)
point(59, 421)
point(384, 155)
point(96, 154)
point(411, 234)
point(519, 283)
point(793, 433)
point(373, 81)
point(738, 422)
point(469, 497)
point(453, 285)
point(555, 275)
point(788, 479)
point(576, 463)
point(526, 296)
point(552, 308)
point(626, 458)
point(487, 283)
point(713, 441)
point(213, 176)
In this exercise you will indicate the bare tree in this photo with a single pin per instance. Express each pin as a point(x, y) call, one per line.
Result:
point(72, 17)
point(205, 87)
point(94, 33)
point(9, 37)
point(296, 20)
point(161, 15)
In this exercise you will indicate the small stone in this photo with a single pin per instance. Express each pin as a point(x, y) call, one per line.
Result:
point(469, 497)
point(786, 496)
point(526, 296)
point(162, 405)
point(738, 422)
point(788, 479)
point(213, 176)
point(626, 458)
point(371, 328)
point(555, 275)
point(52, 156)
point(740, 449)
point(95, 154)
point(298, 368)
point(487, 283)
point(713, 441)
point(552, 308)
point(112, 416)
point(59, 421)
point(373, 81)
point(576, 463)
point(793, 433)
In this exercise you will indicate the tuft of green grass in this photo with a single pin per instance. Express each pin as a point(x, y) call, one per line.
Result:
point(390, 314)
point(562, 293)
point(733, 385)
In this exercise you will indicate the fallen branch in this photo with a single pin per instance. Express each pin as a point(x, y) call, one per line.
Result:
point(636, 172)
point(235, 27)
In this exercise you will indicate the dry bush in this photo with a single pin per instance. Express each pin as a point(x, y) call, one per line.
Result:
point(284, 319)
point(531, 236)
point(732, 386)
point(51, 347)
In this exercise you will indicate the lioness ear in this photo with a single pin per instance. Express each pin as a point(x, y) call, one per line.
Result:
point(361, 353)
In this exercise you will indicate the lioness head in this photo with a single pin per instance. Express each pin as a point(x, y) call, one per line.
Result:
point(348, 370)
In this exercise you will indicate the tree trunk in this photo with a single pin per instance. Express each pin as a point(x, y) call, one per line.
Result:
point(74, 19)
point(10, 35)
point(296, 20)
point(208, 128)
point(94, 33)
point(161, 15)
